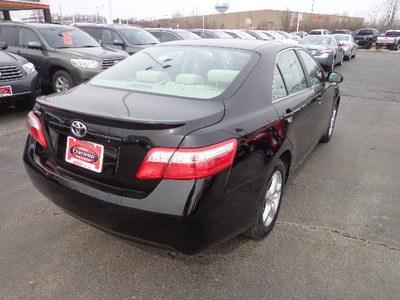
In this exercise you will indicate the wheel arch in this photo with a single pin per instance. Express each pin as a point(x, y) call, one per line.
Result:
point(286, 158)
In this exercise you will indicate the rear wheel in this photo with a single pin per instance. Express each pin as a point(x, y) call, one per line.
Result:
point(396, 47)
point(62, 81)
point(269, 203)
point(328, 134)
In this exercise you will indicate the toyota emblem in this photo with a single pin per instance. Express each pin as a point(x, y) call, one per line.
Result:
point(78, 129)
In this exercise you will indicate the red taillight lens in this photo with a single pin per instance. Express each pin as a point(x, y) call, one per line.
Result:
point(323, 51)
point(35, 129)
point(187, 163)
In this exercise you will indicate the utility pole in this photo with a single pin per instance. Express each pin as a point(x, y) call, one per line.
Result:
point(312, 8)
point(109, 17)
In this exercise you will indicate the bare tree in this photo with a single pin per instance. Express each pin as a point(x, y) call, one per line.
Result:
point(390, 11)
point(287, 20)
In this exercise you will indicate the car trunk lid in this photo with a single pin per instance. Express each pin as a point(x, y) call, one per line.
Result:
point(125, 125)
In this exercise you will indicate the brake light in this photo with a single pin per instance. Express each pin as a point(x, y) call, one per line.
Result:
point(35, 129)
point(187, 163)
point(324, 51)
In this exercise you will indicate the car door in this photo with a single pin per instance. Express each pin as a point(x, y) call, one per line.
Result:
point(31, 47)
point(296, 102)
point(324, 93)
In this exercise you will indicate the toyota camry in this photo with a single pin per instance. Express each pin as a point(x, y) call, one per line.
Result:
point(185, 144)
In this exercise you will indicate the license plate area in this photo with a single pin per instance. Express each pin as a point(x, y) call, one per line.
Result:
point(84, 154)
point(5, 91)
point(312, 51)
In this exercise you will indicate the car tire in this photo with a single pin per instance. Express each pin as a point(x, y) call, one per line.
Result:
point(377, 46)
point(369, 45)
point(354, 55)
point(62, 81)
point(396, 47)
point(269, 203)
point(329, 132)
point(341, 61)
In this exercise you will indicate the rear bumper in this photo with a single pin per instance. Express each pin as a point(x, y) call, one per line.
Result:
point(192, 216)
point(325, 61)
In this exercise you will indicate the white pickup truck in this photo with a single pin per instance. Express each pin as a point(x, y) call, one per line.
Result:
point(391, 39)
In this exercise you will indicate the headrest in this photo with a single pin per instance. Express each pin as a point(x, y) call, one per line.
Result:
point(225, 76)
point(189, 79)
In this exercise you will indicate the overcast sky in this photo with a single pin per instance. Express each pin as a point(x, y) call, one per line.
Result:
point(139, 9)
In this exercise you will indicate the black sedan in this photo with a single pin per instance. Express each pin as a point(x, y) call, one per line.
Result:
point(18, 80)
point(185, 144)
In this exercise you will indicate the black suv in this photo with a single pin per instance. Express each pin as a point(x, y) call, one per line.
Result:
point(123, 37)
point(18, 80)
point(64, 56)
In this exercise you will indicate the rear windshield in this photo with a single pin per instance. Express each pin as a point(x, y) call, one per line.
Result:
point(393, 33)
point(316, 40)
point(136, 36)
point(67, 37)
point(192, 72)
point(365, 32)
point(343, 37)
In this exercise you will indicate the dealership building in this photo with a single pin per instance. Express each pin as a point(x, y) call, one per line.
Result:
point(16, 5)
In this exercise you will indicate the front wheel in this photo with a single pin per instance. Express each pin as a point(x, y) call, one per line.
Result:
point(328, 134)
point(269, 203)
point(62, 81)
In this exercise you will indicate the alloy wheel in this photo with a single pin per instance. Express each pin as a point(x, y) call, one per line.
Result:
point(62, 84)
point(272, 197)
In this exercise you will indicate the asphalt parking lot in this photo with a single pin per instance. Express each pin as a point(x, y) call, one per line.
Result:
point(337, 235)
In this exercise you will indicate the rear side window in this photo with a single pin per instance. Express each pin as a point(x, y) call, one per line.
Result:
point(292, 72)
point(94, 32)
point(8, 34)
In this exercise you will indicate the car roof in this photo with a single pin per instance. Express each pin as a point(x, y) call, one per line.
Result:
point(239, 44)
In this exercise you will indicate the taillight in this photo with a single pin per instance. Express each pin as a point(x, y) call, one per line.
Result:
point(323, 51)
point(35, 129)
point(187, 163)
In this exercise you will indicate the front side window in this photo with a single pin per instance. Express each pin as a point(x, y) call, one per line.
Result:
point(192, 72)
point(25, 36)
point(109, 37)
point(67, 37)
point(292, 72)
point(167, 37)
point(314, 71)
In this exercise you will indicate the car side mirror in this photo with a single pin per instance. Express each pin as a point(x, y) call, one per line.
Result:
point(34, 45)
point(118, 42)
point(335, 77)
point(3, 45)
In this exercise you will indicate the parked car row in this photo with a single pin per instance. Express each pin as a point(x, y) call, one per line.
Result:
point(330, 50)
